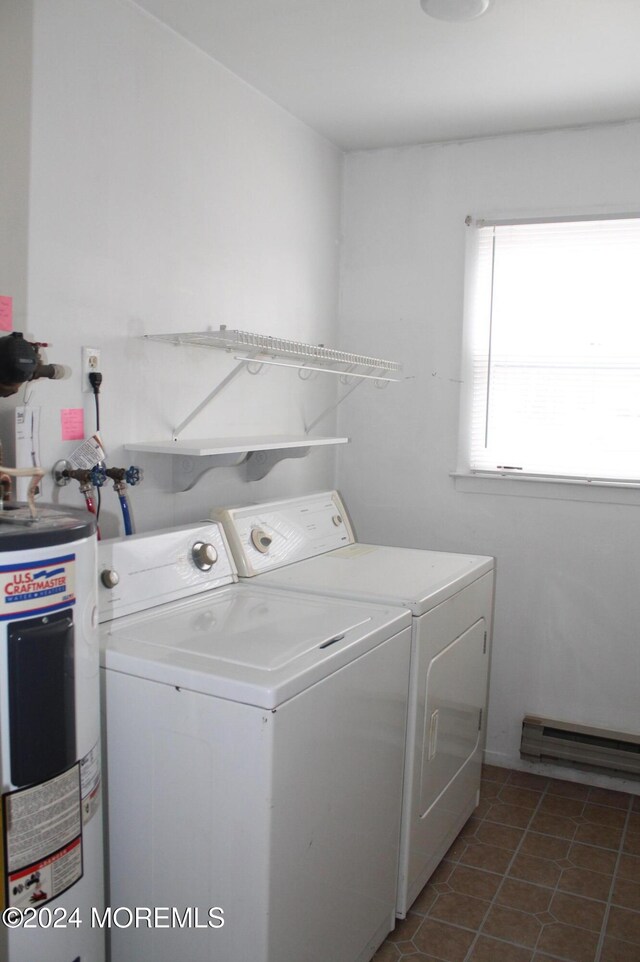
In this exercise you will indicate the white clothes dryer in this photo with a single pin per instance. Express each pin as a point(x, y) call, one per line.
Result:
point(254, 746)
point(307, 544)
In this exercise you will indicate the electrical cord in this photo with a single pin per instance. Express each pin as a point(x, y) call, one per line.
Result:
point(95, 380)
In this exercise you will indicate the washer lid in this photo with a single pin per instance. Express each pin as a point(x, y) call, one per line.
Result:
point(245, 643)
point(412, 577)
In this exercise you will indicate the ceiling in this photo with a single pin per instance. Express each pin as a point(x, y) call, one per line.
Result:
point(379, 73)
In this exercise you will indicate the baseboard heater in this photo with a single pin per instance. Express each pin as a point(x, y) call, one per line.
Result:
point(544, 740)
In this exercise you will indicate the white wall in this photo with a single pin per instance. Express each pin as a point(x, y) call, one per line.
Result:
point(167, 195)
point(164, 194)
point(15, 94)
point(566, 641)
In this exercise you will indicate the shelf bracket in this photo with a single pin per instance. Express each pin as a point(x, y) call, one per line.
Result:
point(332, 407)
point(256, 465)
point(203, 404)
point(259, 463)
point(184, 476)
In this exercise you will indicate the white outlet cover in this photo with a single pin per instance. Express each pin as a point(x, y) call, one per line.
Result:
point(90, 362)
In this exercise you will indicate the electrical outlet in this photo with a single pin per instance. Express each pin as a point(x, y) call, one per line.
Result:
point(90, 363)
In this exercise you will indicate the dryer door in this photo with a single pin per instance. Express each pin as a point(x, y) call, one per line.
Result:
point(455, 698)
point(446, 731)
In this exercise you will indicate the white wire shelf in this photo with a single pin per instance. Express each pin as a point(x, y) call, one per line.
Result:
point(252, 351)
point(304, 355)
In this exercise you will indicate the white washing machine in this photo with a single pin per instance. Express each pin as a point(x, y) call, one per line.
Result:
point(254, 758)
point(307, 544)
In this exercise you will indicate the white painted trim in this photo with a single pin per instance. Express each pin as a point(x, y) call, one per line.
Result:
point(554, 489)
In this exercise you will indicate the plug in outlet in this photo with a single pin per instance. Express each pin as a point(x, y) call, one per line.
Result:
point(90, 363)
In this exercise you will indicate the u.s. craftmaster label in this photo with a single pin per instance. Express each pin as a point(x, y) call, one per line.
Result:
point(32, 587)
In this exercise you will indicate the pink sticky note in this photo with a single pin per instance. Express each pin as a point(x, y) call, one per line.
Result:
point(6, 313)
point(72, 424)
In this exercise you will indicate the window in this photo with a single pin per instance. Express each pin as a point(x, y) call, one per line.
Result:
point(551, 381)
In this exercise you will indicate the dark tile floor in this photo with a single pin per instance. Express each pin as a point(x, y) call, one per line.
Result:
point(545, 870)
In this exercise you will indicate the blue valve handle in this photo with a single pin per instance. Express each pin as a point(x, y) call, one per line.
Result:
point(133, 475)
point(98, 475)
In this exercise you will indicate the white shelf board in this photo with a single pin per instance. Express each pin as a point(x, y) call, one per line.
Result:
point(204, 447)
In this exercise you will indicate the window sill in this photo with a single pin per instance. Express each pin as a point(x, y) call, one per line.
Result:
point(559, 489)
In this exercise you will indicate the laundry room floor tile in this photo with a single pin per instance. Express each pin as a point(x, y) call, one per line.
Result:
point(544, 871)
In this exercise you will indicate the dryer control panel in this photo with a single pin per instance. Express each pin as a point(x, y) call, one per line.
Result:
point(268, 536)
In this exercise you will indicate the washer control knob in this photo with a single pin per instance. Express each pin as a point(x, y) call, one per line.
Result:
point(110, 578)
point(261, 540)
point(337, 520)
point(204, 555)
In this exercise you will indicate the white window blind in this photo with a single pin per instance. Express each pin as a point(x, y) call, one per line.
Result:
point(553, 349)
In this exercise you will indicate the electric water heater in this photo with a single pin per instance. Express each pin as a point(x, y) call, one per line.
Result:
point(51, 888)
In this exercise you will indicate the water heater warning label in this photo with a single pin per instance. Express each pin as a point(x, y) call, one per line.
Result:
point(29, 588)
point(43, 840)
